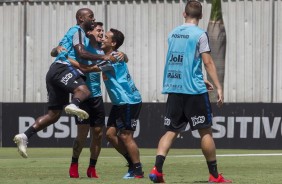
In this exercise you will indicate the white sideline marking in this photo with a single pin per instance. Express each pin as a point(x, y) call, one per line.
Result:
point(232, 155)
point(219, 155)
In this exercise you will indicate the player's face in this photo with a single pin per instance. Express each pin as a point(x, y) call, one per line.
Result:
point(107, 41)
point(88, 19)
point(98, 33)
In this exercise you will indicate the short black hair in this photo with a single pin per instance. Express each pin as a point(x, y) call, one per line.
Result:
point(193, 9)
point(98, 24)
point(117, 37)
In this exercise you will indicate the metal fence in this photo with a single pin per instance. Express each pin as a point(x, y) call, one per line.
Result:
point(254, 52)
point(30, 29)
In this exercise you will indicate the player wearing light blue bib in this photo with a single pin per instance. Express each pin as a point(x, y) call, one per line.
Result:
point(183, 69)
point(126, 101)
point(74, 36)
point(93, 79)
point(120, 86)
point(126, 107)
point(94, 106)
point(188, 105)
point(62, 79)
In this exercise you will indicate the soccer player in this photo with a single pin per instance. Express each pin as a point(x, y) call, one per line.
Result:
point(62, 79)
point(126, 101)
point(94, 106)
point(188, 100)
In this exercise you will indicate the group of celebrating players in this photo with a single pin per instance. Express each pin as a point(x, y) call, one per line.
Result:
point(86, 51)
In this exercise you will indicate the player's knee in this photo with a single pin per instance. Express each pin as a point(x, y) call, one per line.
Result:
point(82, 90)
point(98, 137)
point(125, 137)
point(80, 141)
point(110, 136)
point(85, 90)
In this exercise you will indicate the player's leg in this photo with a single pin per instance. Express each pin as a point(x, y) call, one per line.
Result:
point(201, 120)
point(95, 149)
point(126, 123)
point(78, 144)
point(126, 137)
point(57, 99)
point(117, 143)
point(70, 80)
point(83, 126)
point(174, 122)
point(112, 137)
point(97, 123)
point(156, 174)
point(96, 110)
point(80, 94)
point(40, 123)
point(209, 151)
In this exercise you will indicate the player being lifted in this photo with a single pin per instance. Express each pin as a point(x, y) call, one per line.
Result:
point(62, 78)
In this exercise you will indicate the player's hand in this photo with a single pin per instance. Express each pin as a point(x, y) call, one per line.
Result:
point(209, 85)
point(109, 58)
point(119, 56)
point(60, 49)
point(219, 97)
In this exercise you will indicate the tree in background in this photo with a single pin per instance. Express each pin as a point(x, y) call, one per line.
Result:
point(217, 37)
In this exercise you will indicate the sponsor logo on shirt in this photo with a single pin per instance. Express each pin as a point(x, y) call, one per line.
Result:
point(174, 75)
point(179, 87)
point(180, 36)
point(176, 59)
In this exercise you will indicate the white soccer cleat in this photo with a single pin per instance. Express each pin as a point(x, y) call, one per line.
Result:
point(74, 110)
point(21, 141)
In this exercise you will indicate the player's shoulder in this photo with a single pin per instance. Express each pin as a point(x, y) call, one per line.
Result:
point(177, 28)
point(73, 29)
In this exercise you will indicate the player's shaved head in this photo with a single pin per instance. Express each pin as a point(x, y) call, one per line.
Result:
point(82, 12)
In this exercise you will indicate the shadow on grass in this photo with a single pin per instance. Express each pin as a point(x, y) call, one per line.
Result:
point(201, 181)
point(192, 182)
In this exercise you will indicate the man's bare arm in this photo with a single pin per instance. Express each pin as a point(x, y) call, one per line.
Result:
point(55, 51)
point(83, 54)
point(84, 68)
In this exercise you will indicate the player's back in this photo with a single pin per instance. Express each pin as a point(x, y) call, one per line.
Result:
point(183, 69)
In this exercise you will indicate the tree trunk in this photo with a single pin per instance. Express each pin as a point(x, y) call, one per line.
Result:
point(217, 41)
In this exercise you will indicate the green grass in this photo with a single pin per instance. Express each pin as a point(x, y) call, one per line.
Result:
point(50, 166)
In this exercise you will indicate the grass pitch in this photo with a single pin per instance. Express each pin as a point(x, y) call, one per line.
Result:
point(50, 166)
